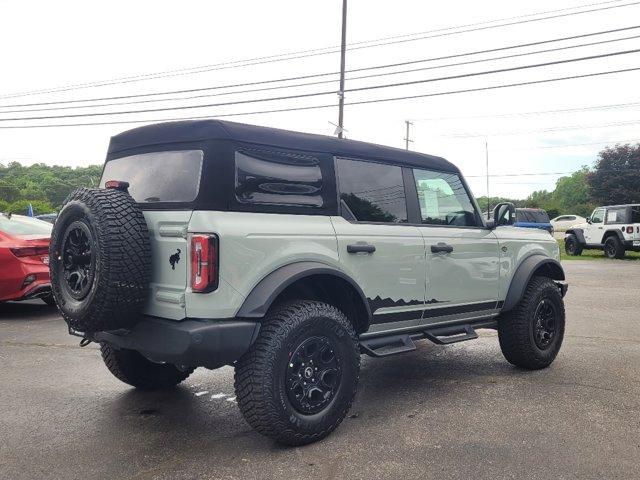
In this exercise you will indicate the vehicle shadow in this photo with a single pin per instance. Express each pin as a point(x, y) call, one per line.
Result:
point(29, 310)
point(413, 383)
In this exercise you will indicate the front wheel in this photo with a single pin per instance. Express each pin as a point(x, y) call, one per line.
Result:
point(298, 380)
point(572, 246)
point(613, 248)
point(531, 334)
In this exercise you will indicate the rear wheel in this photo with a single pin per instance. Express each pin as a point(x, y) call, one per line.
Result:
point(298, 381)
point(132, 368)
point(613, 248)
point(531, 334)
point(572, 246)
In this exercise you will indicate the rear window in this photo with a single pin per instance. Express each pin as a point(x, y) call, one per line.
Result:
point(532, 216)
point(19, 225)
point(635, 214)
point(159, 176)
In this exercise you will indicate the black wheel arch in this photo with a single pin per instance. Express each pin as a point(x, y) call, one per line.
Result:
point(579, 234)
point(613, 233)
point(314, 280)
point(536, 264)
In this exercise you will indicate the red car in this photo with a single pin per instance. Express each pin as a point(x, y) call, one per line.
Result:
point(24, 259)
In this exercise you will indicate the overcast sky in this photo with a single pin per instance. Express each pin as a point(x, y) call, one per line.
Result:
point(51, 44)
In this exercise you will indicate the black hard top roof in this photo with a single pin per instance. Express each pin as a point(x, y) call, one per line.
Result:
point(201, 130)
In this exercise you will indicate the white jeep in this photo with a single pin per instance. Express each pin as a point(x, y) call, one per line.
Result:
point(614, 229)
point(287, 255)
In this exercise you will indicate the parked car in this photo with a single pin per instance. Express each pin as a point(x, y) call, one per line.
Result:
point(564, 222)
point(287, 255)
point(24, 259)
point(47, 217)
point(613, 229)
point(533, 218)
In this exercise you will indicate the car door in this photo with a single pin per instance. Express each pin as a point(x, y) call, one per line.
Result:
point(377, 246)
point(594, 231)
point(462, 256)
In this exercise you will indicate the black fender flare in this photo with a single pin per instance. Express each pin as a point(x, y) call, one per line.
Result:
point(267, 290)
point(522, 276)
point(578, 233)
point(609, 233)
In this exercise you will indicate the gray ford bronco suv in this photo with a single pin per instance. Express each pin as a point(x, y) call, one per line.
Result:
point(287, 256)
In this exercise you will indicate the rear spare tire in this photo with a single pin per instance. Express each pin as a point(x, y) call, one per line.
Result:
point(100, 260)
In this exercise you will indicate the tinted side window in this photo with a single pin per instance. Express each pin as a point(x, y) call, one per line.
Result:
point(443, 199)
point(635, 214)
point(278, 178)
point(373, 192)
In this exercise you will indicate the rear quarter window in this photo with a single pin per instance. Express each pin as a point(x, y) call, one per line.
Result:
point(265, 177)
point(159, 176)
point(616, 216)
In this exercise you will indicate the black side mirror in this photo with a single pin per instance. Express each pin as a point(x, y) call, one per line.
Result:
point(503, 214)
point(588, 220)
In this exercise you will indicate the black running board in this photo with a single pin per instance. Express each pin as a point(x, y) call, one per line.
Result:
point(384, 346)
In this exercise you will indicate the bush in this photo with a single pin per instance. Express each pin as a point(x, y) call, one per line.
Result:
point(20, 207)
point(3, 206)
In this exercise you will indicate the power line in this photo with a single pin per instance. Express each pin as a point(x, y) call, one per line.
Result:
point(374, 67)
point(546, 130)
point(315, 94)
point(312, 107)
point(538, 112)
point(329, 50)
point(297, 85)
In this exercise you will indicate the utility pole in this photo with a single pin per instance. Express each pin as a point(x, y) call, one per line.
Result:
point(343, 49)
point(407, 139)
point(486, 154)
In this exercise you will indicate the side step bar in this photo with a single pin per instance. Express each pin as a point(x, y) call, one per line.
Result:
point(384, 346)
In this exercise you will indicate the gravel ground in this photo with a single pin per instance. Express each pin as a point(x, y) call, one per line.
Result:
point(458, 411)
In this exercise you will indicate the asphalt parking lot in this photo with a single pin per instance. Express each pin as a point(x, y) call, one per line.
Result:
point(459, 411)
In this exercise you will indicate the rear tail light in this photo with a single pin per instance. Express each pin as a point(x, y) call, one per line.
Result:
point(629, 229)
point(204, 263)
point(30, 251)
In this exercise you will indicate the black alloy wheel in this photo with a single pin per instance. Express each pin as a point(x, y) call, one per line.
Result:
point(313, 375)
point(544, 328)
point(78, 260)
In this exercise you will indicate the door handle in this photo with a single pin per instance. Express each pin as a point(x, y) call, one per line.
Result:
point(361, 248)
point(441, 248)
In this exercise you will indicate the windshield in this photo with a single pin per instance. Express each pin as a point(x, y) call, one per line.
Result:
point(20, 225)
point(159, 176)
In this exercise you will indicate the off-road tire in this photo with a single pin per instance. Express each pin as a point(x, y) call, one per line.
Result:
point(572, 245)
point(120, 246)
point(613, 248)
point(516, 327)
point(132, 368)
point(260, 374)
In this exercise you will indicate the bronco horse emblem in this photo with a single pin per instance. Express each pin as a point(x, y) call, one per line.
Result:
point(175, 258)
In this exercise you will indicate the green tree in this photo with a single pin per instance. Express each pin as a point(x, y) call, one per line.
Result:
point(616, 175)
point(20, 207)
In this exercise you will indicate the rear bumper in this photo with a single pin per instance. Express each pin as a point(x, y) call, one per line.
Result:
point(35, 290)
point(190, 342)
